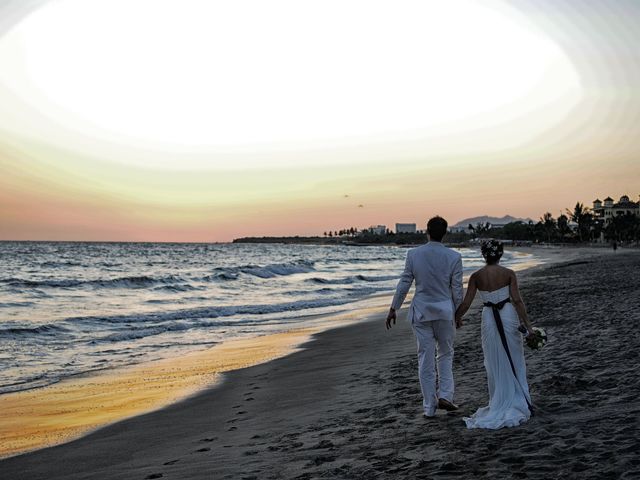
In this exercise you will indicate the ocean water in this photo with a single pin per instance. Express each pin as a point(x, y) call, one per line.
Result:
point(71, 308)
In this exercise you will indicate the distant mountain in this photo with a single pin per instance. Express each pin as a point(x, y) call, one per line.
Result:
point(492, 220)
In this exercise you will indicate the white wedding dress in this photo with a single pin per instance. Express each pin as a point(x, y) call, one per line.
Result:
point(507, 404)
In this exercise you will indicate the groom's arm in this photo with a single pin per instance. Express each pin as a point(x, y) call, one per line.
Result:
point(404, 284)
point(457, 291)
point(406, 279)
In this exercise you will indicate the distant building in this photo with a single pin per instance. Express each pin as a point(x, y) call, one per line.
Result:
point(466, 229)
point(378, 229)
point(608, 209)
point(405, 228)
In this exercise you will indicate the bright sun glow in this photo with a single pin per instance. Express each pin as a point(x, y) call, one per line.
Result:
point(216, 74)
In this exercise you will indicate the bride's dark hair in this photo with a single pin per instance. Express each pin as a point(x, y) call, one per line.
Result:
point(492, 251)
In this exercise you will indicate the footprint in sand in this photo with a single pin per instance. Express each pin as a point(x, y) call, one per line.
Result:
point(154, 475)
point(320, 459)
point(171, 462)
point(203, 449)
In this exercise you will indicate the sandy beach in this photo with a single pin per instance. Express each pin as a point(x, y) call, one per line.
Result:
point(348, 405)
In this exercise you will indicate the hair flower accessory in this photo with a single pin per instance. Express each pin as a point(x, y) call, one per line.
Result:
point(492, 249)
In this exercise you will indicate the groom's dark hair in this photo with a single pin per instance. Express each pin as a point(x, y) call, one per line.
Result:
point(436, 228)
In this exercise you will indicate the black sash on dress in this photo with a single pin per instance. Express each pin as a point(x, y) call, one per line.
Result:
point(496, 307)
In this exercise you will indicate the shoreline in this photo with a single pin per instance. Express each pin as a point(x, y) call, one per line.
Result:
point(189, 376)
point(60, 412)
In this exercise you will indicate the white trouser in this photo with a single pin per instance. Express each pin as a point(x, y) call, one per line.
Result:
point(429, 334)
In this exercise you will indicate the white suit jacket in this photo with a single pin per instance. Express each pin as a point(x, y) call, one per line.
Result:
point(437, 271)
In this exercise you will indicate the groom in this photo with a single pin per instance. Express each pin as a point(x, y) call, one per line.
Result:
point(437, 271)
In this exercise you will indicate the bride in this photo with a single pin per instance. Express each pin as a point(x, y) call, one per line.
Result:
point(504, 310)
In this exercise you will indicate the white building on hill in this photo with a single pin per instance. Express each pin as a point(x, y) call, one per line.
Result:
point(608, 209)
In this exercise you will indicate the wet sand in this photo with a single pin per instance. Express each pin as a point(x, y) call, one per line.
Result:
point(51, 415)
point(349, 405)
point(48, 416)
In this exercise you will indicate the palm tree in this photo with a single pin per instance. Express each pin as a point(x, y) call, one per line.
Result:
point(563, 225)
point(588, 224)
point(548, 225)
point(472, 231)
point(582, 217)
point(482, 227)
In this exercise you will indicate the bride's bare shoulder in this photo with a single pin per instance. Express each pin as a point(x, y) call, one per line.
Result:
point(478, 273)
point(510, 274)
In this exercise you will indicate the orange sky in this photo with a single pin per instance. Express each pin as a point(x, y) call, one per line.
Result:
point(69, 174)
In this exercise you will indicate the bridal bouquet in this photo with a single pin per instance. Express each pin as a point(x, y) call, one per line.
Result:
point(538, 340)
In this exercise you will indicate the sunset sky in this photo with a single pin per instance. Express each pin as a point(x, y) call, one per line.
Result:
point(200, 120)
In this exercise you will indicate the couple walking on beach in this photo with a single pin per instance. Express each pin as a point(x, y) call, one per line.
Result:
point(436, 311)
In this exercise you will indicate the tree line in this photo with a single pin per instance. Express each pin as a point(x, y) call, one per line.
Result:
point(345, 232)
point(576, 225)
